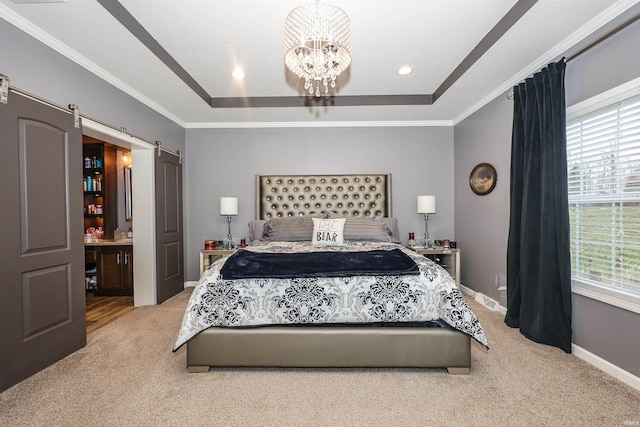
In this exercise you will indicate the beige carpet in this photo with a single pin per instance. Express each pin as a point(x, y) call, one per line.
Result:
point(128, 376)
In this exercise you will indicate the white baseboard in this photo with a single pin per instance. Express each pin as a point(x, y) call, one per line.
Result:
point(468, 291)
point(481, 298)
point(190, 284)
point(608, 367)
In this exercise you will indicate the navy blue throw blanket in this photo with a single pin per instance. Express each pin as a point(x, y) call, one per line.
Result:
point(247, 264)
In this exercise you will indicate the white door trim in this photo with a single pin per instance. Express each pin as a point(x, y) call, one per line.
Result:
point(143, 189)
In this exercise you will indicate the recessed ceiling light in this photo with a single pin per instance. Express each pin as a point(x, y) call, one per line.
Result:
point(238, 74)
point(403, 71)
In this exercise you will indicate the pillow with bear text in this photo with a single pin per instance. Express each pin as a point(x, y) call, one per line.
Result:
point(328, 232)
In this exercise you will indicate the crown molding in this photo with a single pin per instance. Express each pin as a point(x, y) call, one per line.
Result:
point(554, 54)
point(46, 38)
point(335, 124)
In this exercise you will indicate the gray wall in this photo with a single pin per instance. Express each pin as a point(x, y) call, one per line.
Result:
point(224, 162)
point(482, 222)
point(36, 68)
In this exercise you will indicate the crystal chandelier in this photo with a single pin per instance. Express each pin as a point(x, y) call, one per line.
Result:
point(317, 44)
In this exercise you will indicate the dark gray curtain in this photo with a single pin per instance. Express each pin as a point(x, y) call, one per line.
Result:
point(538, 253)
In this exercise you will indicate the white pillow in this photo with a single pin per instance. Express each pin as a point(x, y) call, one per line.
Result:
point(328, 232)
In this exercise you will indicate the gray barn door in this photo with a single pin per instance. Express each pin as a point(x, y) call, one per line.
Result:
point(42, 293)
point(169, 257)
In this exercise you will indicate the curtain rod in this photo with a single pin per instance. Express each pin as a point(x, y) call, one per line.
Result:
point(71, 109)
point(594, 43)
point(603, 38)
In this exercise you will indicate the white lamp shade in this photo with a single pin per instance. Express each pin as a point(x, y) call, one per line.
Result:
point(228, 206)
point(427, 204)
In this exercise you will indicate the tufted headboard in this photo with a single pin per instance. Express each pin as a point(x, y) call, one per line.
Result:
point(366, 196)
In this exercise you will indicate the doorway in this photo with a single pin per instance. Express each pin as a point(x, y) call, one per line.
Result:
point(108, 251)
point(142, 192)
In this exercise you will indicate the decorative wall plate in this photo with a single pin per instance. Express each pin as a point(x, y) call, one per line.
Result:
point(483, 179)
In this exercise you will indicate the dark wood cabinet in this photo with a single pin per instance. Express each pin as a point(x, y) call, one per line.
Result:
point(113, 269)
point(90, 269)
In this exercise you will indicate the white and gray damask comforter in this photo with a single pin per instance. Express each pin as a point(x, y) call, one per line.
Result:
point(430, 296)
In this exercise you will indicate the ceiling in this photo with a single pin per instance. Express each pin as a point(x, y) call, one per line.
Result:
point(463, 53)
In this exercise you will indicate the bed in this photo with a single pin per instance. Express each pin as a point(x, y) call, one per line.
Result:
point(325, 282)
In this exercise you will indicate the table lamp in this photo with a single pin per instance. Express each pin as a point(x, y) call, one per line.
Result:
point(229, 208)
point(426, 206)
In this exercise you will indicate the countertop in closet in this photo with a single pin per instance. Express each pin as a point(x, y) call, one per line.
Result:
point(110, 242)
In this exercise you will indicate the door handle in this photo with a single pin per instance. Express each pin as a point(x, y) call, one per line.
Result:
point(118, 257)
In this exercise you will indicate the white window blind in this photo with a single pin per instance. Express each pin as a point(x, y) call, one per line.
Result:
point(603, 154)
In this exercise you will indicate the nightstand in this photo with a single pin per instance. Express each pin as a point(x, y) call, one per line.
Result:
point(208, 257)
point(449, 259)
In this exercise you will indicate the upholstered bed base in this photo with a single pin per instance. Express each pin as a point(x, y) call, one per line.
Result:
point(359, 196)
point(346, 346)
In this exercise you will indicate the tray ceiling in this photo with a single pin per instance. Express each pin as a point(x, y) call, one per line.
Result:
point(177, 56)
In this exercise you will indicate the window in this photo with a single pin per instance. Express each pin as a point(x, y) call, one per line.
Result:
point(603, 155)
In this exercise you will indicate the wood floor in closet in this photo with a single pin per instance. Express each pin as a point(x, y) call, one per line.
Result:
point(102, 310)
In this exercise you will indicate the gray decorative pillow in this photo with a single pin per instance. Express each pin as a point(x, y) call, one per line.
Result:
point(366, 229)
point(370, 229)
point(392, 225)
point(289, 229)
point(256, 228)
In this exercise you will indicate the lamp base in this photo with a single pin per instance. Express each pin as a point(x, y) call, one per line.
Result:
point(427, 241)
point(228, 245)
